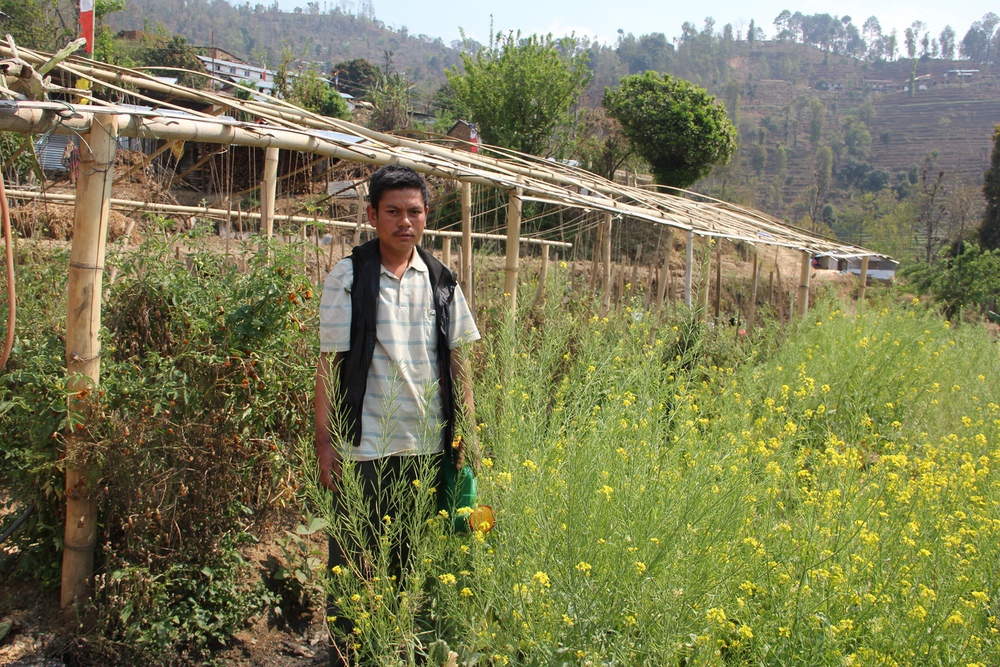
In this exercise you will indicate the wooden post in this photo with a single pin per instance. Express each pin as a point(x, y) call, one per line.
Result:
point(705, 282)
point(718, 277)
point(635, 267)
point(863, 279)
point(606, 264)
point(664, 279)
point(753, 296)
point(513, 248)
point(268, 190)
point(596, 256)
point(446, 251)
point(467, 282)
point(360, 214)
point(802, 308)
point(688, 268)
point(83, 347)
point(543, 273)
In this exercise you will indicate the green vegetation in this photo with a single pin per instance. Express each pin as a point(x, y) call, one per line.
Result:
point(676, 126)
point(667, 494)
point(665, 491)
point(963, 277)
point(519, 91)
point(311, 92)
point(989, 233)
point(206, 380)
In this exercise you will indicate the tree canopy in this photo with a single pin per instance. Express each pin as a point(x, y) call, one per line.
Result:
point(677, 127)
point(519, 91)
point(989, 233)
point(311, 92)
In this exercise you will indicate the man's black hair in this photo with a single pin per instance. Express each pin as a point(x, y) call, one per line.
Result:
point(396, 177)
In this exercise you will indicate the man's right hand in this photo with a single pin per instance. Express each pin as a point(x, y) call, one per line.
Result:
point(329, 467)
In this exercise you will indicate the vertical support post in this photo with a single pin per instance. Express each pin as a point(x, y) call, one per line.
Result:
point(446, 251)
point(83, 347)
point(718, 277)
point(268, 190)
point(802, 307)
point(362, 191)
point(668, 253)
point(688, 268)
point(705, 281)
point(863, 279)
point(513, 248)
point(543, 274)
point(606, 264)
point(467, 282)
point(753, 295)
point(595, 263)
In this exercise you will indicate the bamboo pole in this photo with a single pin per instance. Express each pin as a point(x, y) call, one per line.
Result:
point(863, 279)
point(268, 190)
point(606, 263)
point(543, 273)
point(359, 220)
point(467, 282)
point(595, 256)
point(83, 347)
point(802, 308)
point(635, 266)
point(135, 205)
point(446, 251)
point(513, 248)
point(753, 297)
point(705, 283)
point(688, 268)
point(718, 278)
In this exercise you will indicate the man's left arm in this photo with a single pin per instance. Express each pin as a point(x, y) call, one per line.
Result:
point(465, 404)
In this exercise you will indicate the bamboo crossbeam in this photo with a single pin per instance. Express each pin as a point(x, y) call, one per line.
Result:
point(136, 205)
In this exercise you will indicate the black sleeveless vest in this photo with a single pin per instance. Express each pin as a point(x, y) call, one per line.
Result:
point(364, 304)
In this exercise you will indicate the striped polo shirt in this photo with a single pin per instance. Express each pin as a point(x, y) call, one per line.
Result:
point(401, 414)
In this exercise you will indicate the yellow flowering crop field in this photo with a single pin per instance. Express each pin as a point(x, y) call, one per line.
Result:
point(667, 494)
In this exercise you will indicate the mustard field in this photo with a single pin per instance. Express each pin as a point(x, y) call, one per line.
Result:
point(672, 494)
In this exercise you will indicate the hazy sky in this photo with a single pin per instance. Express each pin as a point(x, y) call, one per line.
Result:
point(603, 18)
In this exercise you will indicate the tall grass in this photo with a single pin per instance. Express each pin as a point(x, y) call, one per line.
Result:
point(666, 494)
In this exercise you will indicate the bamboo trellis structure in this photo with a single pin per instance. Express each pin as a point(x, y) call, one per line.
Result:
point(275, 125)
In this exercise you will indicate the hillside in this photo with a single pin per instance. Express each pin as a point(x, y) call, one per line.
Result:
point(260, 33)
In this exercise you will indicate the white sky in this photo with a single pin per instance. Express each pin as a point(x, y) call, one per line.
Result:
point(603, 18)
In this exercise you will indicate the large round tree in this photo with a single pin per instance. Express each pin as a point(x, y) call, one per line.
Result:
point(677, 127)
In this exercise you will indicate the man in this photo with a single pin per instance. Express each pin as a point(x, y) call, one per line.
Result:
point(392, 322)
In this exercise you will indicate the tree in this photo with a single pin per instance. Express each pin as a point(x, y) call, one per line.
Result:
point(175, 51)
point(857, 138)
point(816, 114)
point(25, 21)
point(947, 42)
point(758, 159)
point(355, 77)
point(311, 92)
point(677, 127)
point(989, 233)
point(519, 91)
point(600, 145)
point(390, 99)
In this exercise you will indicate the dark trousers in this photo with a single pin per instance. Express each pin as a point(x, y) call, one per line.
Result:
point(386, 491)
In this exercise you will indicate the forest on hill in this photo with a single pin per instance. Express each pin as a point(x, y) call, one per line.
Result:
point(843, 128)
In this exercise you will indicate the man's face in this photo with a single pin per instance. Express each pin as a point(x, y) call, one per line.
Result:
point(399, 220)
